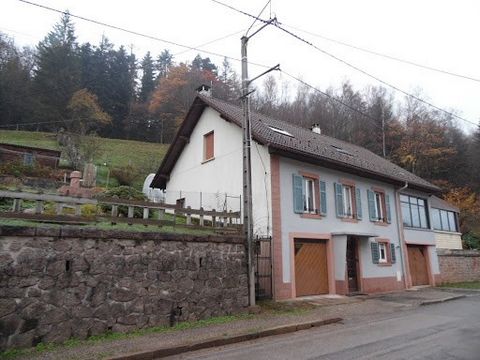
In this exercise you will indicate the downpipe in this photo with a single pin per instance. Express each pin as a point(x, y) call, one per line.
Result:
point(400, 230)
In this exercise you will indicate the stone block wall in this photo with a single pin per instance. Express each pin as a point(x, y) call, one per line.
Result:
point(61, 283)
point(459, 265)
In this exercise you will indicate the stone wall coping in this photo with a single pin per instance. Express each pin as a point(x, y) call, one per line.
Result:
point(458, 252)
point(89, 233)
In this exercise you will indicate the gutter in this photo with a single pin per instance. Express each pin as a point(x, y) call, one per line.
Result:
point(400, 231)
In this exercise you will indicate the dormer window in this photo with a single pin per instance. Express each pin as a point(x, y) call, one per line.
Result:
point(208, 146)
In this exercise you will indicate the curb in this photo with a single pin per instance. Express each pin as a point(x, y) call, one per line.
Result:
point(222, 341)
point(436, 301)
point(459, 289)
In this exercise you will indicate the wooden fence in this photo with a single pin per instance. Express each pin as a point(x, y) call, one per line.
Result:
point(68, 209)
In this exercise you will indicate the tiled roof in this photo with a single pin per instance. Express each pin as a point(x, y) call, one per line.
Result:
point(438, 203)
point(306, 142)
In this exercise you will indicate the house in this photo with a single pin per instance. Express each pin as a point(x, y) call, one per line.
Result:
point(28, 155)
point(342, 219)
point(445, 224)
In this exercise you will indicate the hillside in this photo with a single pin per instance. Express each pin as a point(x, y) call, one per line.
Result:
point(145, 157)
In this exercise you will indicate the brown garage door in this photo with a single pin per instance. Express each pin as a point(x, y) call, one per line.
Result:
point(311, 277)
point(418, 264)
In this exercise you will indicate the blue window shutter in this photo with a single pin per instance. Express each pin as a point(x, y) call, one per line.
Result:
point(387, 205)
point(339, 200)
point(371, 205)
point(323, 198)
point(297, 194)
point(393, 257)
point(375, 252)
point(358, 204)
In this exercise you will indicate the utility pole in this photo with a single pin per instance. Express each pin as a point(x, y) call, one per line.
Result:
point(247, 164)
point(383, 133)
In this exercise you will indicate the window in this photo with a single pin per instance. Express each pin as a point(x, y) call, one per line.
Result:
point(348, 201)
point(309, 195)
point(379, 206)
point(444, 220)
point(382, 253)
point(208, 146)
point(28, 159)
point(414, 212)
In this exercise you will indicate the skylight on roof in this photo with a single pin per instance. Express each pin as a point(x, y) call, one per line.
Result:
point(340, 150)
point(280, 131)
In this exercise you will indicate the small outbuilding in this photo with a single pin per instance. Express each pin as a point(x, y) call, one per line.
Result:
point(28, 155)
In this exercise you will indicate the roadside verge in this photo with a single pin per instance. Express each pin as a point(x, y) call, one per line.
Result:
point(222, 341)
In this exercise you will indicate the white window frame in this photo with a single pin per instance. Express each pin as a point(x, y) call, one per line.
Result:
point(306, 205)
point(381, 259)
point(348, 200)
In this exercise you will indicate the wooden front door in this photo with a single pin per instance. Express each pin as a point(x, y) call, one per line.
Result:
point(352, 264)
point(418, 264)
point(311, 274)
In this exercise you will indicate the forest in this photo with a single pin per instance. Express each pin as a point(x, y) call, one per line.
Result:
point(104, 89)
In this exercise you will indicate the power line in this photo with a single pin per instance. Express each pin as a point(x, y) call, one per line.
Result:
point(136, 33)
point(386, 56)
point(210, 42)
point(372, 119)
point(370, 75)
point(278, 25)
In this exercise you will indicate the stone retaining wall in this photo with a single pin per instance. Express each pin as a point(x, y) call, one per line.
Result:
point(61, 283)
point(459, 265)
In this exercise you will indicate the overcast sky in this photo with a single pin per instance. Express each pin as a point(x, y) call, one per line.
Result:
point(440, 34)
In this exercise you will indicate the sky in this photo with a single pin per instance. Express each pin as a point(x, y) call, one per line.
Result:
point(441, 34)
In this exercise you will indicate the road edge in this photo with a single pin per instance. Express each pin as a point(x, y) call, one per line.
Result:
point(222, 341)
point(437, 301)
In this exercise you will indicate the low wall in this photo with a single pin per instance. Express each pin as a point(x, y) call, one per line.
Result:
point(459, 265)
point(61, 283)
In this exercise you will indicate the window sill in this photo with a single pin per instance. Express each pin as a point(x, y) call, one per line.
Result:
point(310, 216)
point(350, 220)
point(208, 160)
point(380, 223)
point(416, 228)
point(384, 264)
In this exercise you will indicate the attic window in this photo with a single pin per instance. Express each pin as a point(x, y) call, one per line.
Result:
point(340, 150)
point(280, 131)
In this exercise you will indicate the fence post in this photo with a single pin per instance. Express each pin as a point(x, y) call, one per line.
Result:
point(189, 216)
point(39, 207)
point(78, 210)
point(202, 217)
point(130, 211)
point(114, 211)
point(230, 219)
point(59, 208)
point(146, 212)
point(161, 214)
point(214, 219)
point(17, 204)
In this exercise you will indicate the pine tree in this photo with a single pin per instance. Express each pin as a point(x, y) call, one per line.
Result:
point(57, 75)
point(164, 63)
point(148, 78)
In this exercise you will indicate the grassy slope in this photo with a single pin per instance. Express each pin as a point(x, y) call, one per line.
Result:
point(116, 153)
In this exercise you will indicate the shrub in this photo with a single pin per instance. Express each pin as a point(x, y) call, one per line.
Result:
point(123, 193)
point(471, 240)
point(126, 175)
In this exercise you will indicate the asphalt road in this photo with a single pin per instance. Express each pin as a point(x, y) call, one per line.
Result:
point(449, 330)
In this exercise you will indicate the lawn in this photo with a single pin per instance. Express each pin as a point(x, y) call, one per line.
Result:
point(463, 285)
point(144, 157)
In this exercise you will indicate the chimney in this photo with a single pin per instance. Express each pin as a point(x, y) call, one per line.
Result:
point(316, 129)
point(205, 90)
